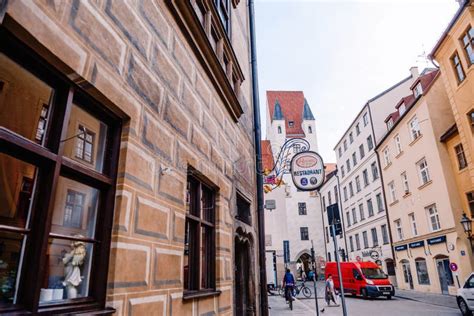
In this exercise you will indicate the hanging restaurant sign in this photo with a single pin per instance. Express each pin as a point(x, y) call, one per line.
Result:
point(307, 170)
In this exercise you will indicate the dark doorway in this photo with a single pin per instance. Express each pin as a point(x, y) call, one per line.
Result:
point(244, 286)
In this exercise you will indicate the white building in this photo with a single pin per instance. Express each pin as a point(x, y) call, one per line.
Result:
point(363, 203)
point(297, 217)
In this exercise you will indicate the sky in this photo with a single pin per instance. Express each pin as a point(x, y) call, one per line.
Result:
point(342, 53)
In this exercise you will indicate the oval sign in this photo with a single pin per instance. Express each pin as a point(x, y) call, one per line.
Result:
point(307, 170)
point(453, 267)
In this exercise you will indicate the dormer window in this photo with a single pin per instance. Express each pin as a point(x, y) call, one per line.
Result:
point(291, 123)
point(390, 123)
point(417, 91)
point(402, 109)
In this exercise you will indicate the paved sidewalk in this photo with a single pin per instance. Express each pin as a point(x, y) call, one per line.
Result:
point(278, 307)
point(429, 298)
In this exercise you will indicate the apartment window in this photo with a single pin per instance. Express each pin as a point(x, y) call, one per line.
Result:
point(379, 199)
point(470, 201)
point(348, 165)
point(370, 143)
point(357, 129)
point(386, 156)
point(423, 171)
point(339, 151)
point(50, 201)
point(375, 171)
point(310, 130)
point(344, 190)
point(361, 151)
point(402, 109)
point(365, 176)
point(462, 162)
point(291, 124)
point(279, 129)
point(348, 219)
point(351, 138)
point(74, 209)
point(398, 229)
point(329, 198)
point(375, 238)
point(304, 233)
point(354, 159)
point(414, 230)
point(414, 128)
point(422, 271)
point(406, 188)
point(417, 91)
point(199, 240)
point(223, 8)
point(366, 119)
point(398, 144)
point(384, 234)
point(370, 207)
point(351, 189)
point(433, 218)
point(345, 145)
point(302, 208)
point(343, 173)
point(351, 243)
point(459, 71)
point(243, 209)
point(354, 215)
point(357, 241)
point(336, 194)
point(361, 212)
point(389, 124)
point(365, 239)
point(468, 44)
point(391, 190)
point(357, 181)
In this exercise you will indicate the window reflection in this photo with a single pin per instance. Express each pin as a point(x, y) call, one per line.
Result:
point(10, 253)
point(24, 101)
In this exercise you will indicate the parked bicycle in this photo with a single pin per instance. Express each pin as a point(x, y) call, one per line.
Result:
point(301, 288)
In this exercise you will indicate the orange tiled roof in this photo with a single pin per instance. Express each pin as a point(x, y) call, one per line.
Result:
point(292, 104)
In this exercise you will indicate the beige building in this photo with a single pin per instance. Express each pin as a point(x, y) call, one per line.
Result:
point(423, 203)
point(454, 53)
point(127, 158)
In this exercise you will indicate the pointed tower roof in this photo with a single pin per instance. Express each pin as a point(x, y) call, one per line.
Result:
point(277, 113)
point(307, 114)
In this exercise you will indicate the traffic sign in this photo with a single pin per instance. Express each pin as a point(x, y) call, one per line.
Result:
point(453, 266)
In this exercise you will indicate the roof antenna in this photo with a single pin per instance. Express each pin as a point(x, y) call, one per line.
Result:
point(423, 58)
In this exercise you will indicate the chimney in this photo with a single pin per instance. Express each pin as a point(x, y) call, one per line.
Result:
point(414, 72)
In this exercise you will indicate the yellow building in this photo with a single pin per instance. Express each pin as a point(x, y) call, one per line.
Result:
point(454, 53)
point(424, 207)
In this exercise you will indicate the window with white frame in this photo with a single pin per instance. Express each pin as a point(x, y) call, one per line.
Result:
point(354, 215)
point(343, 173)
point(404, 177)
point(462, 162)
point(414, 128)
point(423, 171)
point(351, 189)
point(339, 151)
point(389, 123)
point(345, 145)
point(418, 90)
point(370, 143)
point(375, 238)
point(365, 239)
point(361, 151)
point(366, 119)
point(357, 241)
point(357, 181)
point(344, 190)
point(351, 243)
point(433, 218)
point(386, 156)
point(348, 219)
point(365, 175)
point(357, 129)
point(402, 109)
point(354, 159)
point(398, 229)
point(370, 207)
point(361, 212)
point(348, 165)
point(380, 207)
point(384, 234)
point(375, 171)
point(398, 144)
point(414, 230)
point(391, 190)
point(351, 138)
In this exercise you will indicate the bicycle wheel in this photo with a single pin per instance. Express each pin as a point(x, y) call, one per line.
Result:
point(306, 292)
point(291, 302)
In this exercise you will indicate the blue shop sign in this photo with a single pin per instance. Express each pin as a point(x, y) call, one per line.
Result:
point(436, 240)
point(401, 248)
point(417, 244)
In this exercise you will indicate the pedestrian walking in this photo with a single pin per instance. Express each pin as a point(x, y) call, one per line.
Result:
point(330, 291)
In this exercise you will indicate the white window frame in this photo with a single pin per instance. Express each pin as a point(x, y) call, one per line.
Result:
point(417, 90)
point(366, 119)
point(361, 151)
point(398, 144)
point(406, 186)
point(423, 171)
point(391, 189)
point(414, 127)
point(432, 214)
point(398, 228)
point(386, 156)
point(357, 181)
point(390, 123)
point(402, 109)
point(414, 229)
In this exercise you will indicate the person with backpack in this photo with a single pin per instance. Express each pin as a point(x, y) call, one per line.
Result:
point(288, 284)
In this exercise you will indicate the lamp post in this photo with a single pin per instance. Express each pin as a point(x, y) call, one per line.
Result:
point(466, 223)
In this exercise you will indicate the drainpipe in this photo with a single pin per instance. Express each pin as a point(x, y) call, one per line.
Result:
point(341, 214)
point(258, 156)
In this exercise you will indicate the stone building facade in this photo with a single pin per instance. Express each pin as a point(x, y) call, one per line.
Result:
point(137, 149)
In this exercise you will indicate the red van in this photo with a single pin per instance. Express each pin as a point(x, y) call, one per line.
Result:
point(361, 278)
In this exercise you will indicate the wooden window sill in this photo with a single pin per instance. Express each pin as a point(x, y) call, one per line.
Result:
point(425, 185)
point(189, 295)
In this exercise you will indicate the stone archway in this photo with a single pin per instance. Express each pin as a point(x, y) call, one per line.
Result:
point(244, 282)
point(303, 263)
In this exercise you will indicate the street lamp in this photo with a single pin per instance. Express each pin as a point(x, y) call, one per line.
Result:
point(466, 223)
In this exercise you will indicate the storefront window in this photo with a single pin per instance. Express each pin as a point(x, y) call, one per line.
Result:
point(422, 271)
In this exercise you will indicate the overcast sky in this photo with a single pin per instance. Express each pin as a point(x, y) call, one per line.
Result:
point(342, 53)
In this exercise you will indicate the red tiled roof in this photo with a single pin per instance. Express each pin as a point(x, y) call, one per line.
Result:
point(425, 80)
point(292, 103)
point(408, 100)
point(267, 155)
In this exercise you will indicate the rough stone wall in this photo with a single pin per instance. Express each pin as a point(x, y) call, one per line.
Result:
point(133, 53)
